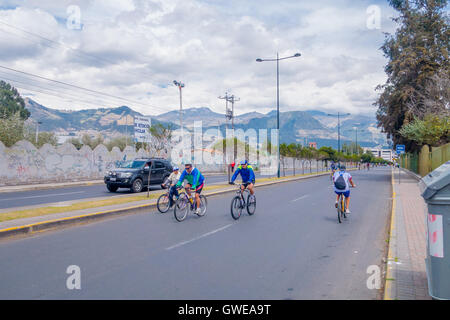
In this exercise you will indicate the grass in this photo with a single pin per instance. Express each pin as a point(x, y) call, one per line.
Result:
point(36, 212)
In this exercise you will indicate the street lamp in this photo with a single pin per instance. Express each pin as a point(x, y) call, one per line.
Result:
point(339, 127)
point(180, 86)
point(278, 97)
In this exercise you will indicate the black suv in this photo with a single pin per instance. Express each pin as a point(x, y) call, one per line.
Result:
point(134, 174)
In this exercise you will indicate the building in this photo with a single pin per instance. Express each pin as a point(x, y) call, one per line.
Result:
point(313, 145)
point(385, 154)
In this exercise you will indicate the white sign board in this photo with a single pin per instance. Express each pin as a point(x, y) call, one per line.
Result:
point(142, 129)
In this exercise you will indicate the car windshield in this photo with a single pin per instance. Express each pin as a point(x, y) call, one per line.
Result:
point(132, 164)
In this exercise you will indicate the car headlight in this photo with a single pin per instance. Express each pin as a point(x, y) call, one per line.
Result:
point(109, 173)
point(126, 174)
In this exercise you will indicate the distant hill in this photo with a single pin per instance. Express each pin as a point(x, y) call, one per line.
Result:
point(296, 126)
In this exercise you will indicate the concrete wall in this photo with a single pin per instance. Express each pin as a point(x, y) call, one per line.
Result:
point(24, 164)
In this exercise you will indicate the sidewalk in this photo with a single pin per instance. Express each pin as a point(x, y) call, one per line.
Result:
point(406, 277)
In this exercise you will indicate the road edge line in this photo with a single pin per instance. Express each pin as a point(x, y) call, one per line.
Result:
point(390, 265)
point(60, 222)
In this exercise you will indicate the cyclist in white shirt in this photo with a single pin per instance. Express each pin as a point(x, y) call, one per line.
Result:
point(342, 186)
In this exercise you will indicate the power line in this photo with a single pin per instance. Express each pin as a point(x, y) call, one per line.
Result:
point(78, 52)
point(81, 88)
point(63, 91)
point(64, 96)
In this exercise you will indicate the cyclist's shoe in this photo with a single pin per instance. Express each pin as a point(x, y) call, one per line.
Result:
point(197, 211)
point(336, 204)
point(347, 211)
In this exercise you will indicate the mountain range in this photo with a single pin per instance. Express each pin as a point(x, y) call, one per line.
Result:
point(295, 126)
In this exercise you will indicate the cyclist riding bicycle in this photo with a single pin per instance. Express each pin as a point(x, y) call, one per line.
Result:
point(342, 181)
point(247, 175)
point(171, 184)
point(195, 181)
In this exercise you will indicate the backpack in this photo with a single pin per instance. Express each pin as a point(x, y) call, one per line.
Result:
point(340, 183)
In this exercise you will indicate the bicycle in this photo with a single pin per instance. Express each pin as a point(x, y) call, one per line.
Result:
point(186, 204)
point(341, 208)
point(163, 202)
point(238, 203)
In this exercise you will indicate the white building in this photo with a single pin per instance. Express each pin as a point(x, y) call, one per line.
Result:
point(385, 154)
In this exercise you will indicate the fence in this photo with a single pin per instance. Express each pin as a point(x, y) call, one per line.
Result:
point(426, 161)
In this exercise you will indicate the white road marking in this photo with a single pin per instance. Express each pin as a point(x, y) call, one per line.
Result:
point(302, 197)
point(43, 196)
point(198, 238)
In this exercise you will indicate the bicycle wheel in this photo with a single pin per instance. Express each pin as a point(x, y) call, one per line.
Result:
point(236, 207)
point(163, 203)
point(344, 208)
point(339, 210)
point(251, 204)
point(203, 206)
point(181, 208)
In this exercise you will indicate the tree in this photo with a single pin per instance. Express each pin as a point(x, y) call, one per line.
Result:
point(76, 142)
point(43, 137)
point(284, 152)
point(161, 137)
point(367, 157)
point(11, 103)
point(11, 129)
point(432, 130)
point(417, 53)
point(92, 143)
point(120, 142)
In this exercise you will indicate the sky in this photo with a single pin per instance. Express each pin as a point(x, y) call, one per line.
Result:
point(128, 52)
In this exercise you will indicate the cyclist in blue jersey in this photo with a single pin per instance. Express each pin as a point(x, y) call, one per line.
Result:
point(195, 181)
point(247, 175)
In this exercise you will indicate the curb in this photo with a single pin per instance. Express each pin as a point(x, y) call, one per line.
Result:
point(58, 223)
point(49, 187)
point(412, 174)
point(390, 265)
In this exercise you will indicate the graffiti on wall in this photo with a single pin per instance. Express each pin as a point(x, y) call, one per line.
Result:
point(23, 163)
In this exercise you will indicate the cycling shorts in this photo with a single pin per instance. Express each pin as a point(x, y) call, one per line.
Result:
point(345, 193)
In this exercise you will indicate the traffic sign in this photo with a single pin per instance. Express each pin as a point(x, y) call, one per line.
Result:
point(400, 149)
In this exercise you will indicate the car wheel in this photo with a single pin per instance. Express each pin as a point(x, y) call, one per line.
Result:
point(111, 188)
point(137, 186)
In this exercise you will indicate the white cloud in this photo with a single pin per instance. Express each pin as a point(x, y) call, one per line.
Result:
point(141, 46)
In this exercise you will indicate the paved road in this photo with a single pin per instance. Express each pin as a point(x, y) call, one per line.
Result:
point(292, 248)
point(38, 197)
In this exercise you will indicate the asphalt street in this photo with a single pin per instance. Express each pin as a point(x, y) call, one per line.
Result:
point(39, 197)
point(291, 248)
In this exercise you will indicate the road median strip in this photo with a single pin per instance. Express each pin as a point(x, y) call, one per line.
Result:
point(59, 222)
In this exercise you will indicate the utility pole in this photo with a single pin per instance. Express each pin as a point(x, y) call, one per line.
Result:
point(233, 99)
point(126, 130)
point(228, 116)
point(180, 86)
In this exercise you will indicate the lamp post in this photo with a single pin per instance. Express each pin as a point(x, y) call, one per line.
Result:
point(339, 127)
point(180, 86)
point(278, 97)
point(37, 130)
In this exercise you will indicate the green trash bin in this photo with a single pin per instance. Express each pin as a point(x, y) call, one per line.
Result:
point(435, 188)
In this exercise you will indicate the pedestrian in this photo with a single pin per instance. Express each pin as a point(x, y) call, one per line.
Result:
point(232, 166)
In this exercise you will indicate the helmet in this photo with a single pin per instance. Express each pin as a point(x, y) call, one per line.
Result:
point(343, 167)
point(176, 168)
point(244, 162)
